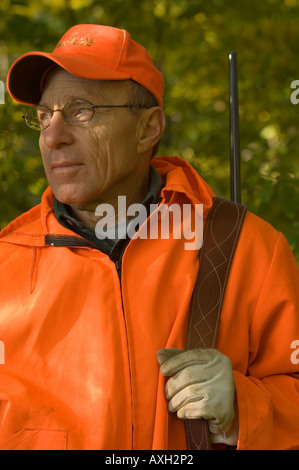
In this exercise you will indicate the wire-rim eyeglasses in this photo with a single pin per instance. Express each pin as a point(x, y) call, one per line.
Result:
point(75, 112)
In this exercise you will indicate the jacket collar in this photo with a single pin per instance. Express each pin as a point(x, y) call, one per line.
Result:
point(181, 183)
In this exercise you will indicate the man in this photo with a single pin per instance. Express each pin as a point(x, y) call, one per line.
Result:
point(84, 317)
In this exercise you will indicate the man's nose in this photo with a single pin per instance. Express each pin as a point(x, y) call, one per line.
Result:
point(58, 133)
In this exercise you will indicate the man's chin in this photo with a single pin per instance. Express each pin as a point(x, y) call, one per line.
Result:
point(76, 203)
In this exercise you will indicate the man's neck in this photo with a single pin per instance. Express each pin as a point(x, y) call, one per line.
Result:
point(135, 195)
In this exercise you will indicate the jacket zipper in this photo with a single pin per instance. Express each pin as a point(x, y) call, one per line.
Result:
point(66, 240)
point(117, 260)
point(74, 241)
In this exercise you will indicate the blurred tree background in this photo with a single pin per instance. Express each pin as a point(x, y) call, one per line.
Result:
point(189, 41)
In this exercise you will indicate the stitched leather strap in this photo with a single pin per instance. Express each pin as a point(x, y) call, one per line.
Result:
point(221, 234)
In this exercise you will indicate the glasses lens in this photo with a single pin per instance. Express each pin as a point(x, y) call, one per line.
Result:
point(38, 117)
point(78, 112)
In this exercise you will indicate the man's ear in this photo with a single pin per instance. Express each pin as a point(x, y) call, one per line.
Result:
point(150, 128)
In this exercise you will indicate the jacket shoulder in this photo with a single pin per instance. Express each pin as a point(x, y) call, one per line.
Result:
point(260, 243)
point(28, 222)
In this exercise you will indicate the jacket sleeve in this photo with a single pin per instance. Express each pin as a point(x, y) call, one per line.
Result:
point(268, 394)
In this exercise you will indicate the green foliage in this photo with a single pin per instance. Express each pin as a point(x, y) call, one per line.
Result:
point(189, 41)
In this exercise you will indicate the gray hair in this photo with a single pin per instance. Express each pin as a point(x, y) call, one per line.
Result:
point(140, 96)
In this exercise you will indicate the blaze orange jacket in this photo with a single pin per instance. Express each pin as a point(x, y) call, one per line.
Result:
point(80, 369)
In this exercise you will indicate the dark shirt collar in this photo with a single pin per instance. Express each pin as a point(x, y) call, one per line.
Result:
point(108, 246)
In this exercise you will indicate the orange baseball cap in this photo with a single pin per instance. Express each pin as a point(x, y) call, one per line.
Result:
point(88, 51)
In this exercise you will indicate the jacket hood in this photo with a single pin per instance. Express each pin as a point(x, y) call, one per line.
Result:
point(179, 176)
point(181, 183)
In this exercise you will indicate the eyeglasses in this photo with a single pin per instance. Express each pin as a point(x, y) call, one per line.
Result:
point(75, 112)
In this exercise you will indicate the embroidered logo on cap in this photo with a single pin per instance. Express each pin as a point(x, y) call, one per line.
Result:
point(77, 42)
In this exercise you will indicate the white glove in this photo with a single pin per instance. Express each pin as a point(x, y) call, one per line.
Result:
point(201, 385)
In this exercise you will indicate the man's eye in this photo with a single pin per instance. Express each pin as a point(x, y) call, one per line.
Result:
point(80, 113)
point(43, 116)
point(83, 111)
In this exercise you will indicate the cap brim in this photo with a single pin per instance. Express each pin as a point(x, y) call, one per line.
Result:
point(24, 78)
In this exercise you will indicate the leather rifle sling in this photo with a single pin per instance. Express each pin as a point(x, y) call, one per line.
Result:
point(220, 238)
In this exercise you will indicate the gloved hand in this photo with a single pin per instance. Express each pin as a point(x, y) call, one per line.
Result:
point(201, 385)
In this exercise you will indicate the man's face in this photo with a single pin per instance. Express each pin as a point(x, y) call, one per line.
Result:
point(89, 164)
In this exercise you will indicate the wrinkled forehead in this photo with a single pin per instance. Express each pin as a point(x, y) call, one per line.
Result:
point(60, 86)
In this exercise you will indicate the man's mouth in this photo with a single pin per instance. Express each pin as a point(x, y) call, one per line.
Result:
point(64, 166)
point(65, 171)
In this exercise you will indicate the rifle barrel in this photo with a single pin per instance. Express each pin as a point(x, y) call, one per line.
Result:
point(235, 179)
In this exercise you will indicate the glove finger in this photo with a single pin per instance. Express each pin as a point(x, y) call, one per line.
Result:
point(177, 359)
point(164, 354)
point(189, 394)
point(210, 408)
point(195, 410)
point(186, 377)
